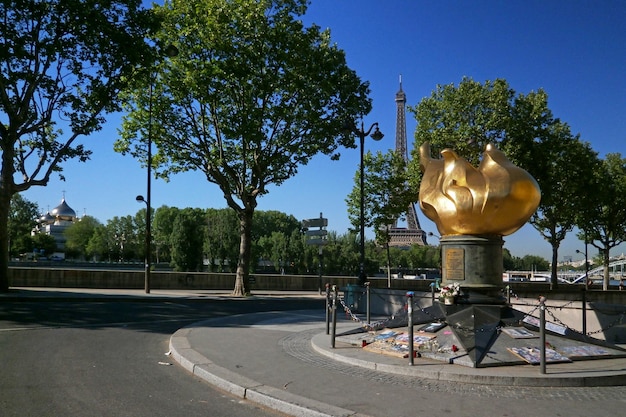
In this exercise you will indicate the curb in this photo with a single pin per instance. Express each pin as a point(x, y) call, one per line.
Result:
point(246, 388)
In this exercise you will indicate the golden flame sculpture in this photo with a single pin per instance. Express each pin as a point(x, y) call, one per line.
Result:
point(496, 199)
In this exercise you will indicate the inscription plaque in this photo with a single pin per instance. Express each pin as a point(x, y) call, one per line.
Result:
point(455, 264)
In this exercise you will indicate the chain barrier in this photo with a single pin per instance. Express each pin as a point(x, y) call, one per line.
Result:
point(550, 309)
point(370, 326)
point(379, 324)
point(392, 302)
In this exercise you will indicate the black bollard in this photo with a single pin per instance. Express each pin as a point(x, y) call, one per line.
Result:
point(584, 312)
point(542, 333)
point(367, 292)
point(327, 308)
point(409, 302)
point(332, 337)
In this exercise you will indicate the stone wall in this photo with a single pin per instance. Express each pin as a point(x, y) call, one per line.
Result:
point(134, 279)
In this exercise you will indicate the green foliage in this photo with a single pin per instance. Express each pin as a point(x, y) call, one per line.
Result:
point(62, 65)
point(387, 193)
point(97, 248)
point(252, 95)
point(222, 243)
point(22, 220)
point(465, 117)
point(44, 243)
point(266, 222)
point(78, 236)
point(162, 224)
point(604, 217)
point(412, 258)
point(508, 260)
point(123, 241)
point(469, 116)
point(531, 263)
point(186, 240)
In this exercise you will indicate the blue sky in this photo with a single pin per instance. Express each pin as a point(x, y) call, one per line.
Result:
point(572, 49)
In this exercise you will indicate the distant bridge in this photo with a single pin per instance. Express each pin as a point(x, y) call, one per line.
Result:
point(617, 271)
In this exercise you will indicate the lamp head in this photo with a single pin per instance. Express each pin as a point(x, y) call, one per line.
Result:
point(377, 135)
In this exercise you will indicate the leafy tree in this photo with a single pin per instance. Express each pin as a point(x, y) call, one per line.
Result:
point(278, 255)
point(533, 263)
point(604, 222)
point(162, 226)
point(252, 95)
point(44, 243)
point(97, 247)
point(465, 117)
point(266, 222)
point(388, 194)
point(341, 254)
point(22, 220)
point(186, 240)
point(222, 245)
point(62, 63)
point(123, 242)
point(508, 260)
point(564, 170)
point(296, 252)
point(308, 256)
point(471, 115)
point(421, 256)
point(264, 242)
point(78, 235)
point(139, 225)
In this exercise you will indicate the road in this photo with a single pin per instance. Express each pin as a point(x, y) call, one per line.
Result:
point(108, 358)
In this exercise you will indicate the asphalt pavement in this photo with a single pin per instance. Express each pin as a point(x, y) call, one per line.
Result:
point(286, 361)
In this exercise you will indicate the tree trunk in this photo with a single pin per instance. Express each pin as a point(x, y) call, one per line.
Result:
point(6, 192)
point(388, 266)
point(5, 203)
point(607, 276)
point(242, 279)
point(554, 279)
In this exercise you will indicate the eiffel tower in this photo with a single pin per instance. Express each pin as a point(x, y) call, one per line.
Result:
point(413, 233)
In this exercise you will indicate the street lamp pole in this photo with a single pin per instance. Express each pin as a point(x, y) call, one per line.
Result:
point(148, 258)
point(377, 135)
point(586, 287)
point(586, 263)
point(169, 51)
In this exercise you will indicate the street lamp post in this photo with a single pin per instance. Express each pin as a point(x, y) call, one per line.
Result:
point(377, 135)
point(586, 287)
point(169, 51)
point(148, 258)
point(586, 263)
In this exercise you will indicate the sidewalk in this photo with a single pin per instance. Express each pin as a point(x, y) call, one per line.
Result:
point(20, 293)
point(284, 361)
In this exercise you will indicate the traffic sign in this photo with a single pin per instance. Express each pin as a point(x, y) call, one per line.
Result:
point(317, 232)
point(316, 236)
point(319, 222)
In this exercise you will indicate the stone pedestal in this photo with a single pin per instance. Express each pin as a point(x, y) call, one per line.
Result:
point(475, 263)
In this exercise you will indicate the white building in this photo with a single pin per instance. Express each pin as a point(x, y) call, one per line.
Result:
point(55, 222)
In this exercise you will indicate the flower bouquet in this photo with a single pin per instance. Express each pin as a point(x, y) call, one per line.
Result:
point(448, 292)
